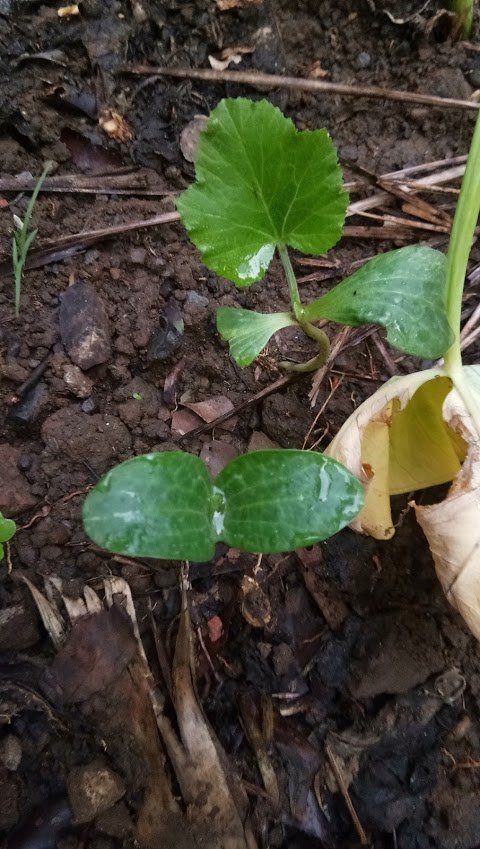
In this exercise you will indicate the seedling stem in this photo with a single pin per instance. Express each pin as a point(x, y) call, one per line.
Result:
point(22, 239)
point(460, 245)
point(309, 329)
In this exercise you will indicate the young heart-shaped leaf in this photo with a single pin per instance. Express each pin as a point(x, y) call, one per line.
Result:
point(404, 291)
point(166, 505)
point(261, 183)
point(248, 332)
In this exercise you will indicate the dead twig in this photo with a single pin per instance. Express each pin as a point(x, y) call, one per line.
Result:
point(276, 386)
point(125, 181)
point(302, 84)
point(65, 246)
point(346, 795)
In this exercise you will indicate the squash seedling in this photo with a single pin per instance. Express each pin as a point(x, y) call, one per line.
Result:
point(262, 186)
point(23, 239)
point(8, 529)
point(166, 505)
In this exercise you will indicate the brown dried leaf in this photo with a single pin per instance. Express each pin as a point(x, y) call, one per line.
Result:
point(115, 126)
point(211, 408)
point(96, 651)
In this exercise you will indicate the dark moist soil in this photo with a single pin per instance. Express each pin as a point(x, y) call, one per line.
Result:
point(353, 642)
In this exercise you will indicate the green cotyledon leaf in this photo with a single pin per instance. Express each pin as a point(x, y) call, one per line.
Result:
point(7, 528)
point(247, 332)
point(166, 505)
point(404, 291)
point(7, 531)
point(154, 505)
point(261, 183)
point(280, 500)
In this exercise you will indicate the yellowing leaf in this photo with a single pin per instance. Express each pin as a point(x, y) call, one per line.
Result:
point(376, 514)
point(362, 450)
point(452, 529)
point(424, 451)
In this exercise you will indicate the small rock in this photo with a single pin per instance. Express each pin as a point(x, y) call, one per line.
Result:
point(124, 346)
point(138, 256)
point(259, 441)
point(190, 136)
point(25, 411)
point(18, 628)
point(14, 372)
point(94, 439)
point(165, 339)
point(24, 462)
point(84, 326)
point(216, 455)
point(447, 82)
point(91, 256)
point(9, 800)
point(89, 406)
point(283, 659)
point(195, 302)
point(15, 494)
point(393, 658)
point(474, 77)
point(130, 412)
point(363, 60)
point(10, 752)
point(77, 381)
point(116, 822)
point(93, 789)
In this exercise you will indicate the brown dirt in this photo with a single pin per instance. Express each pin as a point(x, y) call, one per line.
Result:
point(386, 674)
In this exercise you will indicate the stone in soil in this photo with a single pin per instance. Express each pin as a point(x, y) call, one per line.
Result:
point(400, 652)
point(96, 439)
point(77, 382)
point(18, 628)
point(84, 326)
point(93, 789)
point(15, 493)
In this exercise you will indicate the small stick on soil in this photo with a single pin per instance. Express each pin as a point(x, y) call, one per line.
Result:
point(302, 84)
point(33, 378)
point(122, 182)
point(276, 386)
point(336, 385)
point(344, 791)
point(381, 348)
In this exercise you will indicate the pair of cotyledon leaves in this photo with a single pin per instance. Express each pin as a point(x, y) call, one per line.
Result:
point(261, 184)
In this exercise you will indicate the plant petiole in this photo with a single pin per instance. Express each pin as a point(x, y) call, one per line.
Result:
point(308, 328)
point(297, 305)
point(460, 245)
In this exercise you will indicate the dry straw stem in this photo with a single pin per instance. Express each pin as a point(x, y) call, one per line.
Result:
point(272, 81)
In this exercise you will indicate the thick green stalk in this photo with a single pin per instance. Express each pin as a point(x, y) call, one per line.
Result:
point(309, 329)
point(461, 239)
point(464, 12)
point(292, 283)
